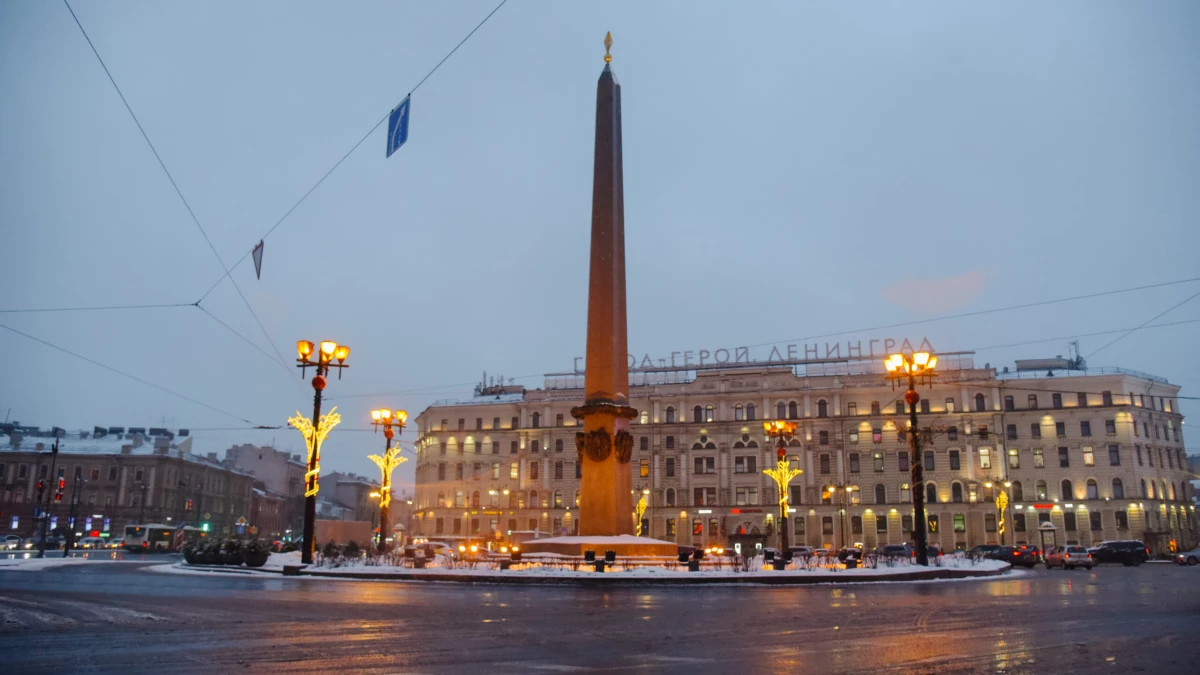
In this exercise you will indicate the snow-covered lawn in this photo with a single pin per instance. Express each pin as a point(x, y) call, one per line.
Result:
point(552, 566)
point(28, 564)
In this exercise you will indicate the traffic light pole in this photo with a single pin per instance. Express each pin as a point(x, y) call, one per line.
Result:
point(918, 473)
point(46, 509)
point(69, 541)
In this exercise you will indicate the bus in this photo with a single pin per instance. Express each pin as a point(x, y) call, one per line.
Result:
point(159, 538)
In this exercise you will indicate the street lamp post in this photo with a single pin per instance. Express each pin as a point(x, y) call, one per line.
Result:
point(142, 514)
point(782, 474)
point(387, 462)
point(901, 368)
point(316, 429)
point(844, 491)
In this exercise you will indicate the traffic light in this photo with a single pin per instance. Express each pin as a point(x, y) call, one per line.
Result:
point(62, 484)
point(204, 527)
point(41, 489)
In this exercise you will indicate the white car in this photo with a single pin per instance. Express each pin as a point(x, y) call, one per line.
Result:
point(91, 542)
point(10, 542)
point(1191, 557)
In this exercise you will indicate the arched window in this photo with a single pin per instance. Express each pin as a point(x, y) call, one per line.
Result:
point(441, 501)
point(577, 498)
point(475, 499)
point(670, 415)
point(880, 494)
point(1042, 492)
point(1093, 490)
point(558, 499)
point(1144, 493)
point(750, 410)
point(956, 494)
point(905, 493)
point(537, 420)
point(708, 414)
point(793, 410)
point(980, 403)
point(1067, 490)
point(670, 496)
point(780, 410)
point(533, 499)
point(822, 408)
point(1118, 489)
point(739, 413)
point(1183, 491)
point(827, 494)
point(459, 499)
point(697, 414)
point(855, 495)
point(931, 493)
point(1172, 493)
point(1018, 492)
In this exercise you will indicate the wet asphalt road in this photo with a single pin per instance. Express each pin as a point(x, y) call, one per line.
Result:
point(122, 617)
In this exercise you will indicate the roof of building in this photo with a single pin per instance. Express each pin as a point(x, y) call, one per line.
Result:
point(112, 445)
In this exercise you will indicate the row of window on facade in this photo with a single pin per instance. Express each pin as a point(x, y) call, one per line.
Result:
point(791, 410)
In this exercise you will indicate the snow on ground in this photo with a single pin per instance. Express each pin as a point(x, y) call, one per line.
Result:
point(442, 568)
point(601, 541)
point(28, 564)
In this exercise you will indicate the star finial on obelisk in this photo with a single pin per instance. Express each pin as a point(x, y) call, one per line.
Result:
point(607, 46)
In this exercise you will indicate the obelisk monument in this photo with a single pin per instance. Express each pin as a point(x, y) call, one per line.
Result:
point(605, 445)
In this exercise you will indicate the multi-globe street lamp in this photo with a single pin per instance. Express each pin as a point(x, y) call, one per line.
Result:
point(782, 474)
point(911, 369)
point(387, 462)
point(316, 429)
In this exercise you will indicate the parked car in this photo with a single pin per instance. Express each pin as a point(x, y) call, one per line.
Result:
point(1014, 556)
point(849, 553)
point(1068, 557)
point(1127, 552)
point(894, 551)
point(802, 552)
point(1191, 557)
point(932, 550)
point(985, 551)
point(10, 542)
point(1032, 551)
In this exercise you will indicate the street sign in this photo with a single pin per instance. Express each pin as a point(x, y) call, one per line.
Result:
point(398, 126)
point(181, 525)
point(208, 516)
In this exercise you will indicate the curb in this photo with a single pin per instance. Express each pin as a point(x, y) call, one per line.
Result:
point(618, 579)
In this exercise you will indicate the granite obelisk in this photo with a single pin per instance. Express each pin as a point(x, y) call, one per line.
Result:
point(605, 445)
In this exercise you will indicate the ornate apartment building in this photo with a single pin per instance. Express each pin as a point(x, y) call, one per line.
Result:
point(1097, 453)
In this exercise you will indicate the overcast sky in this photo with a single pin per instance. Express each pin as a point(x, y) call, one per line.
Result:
point(791, 169)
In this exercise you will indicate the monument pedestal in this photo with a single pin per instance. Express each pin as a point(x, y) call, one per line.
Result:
point(625, 546)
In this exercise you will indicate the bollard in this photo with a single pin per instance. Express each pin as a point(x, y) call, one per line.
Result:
point(769, 555)
point(505, 564)
point(693, 565)
point(683, 557)
point(599, 565)
point(589, 556)
point(610, 557)
point(780, 564)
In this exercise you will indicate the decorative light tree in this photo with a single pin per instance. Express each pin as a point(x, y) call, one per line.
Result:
point(782, 474)
point(387, 463)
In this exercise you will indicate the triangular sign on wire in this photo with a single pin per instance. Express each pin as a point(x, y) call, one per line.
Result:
point(257, 253)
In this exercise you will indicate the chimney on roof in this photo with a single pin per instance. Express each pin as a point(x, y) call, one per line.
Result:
point(14, 438)
point(127, 449)
point(137, 441)
point(40, 447)
point(161, 450)
point(161, 443)
point(212, 456)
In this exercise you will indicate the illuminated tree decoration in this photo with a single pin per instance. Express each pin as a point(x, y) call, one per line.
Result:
point(638, 512)
point(314, 438)
point(387, 464)
point(1001, 502)
point(782, 474)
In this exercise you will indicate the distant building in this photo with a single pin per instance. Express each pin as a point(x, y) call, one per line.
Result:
point(123, 479)
point(1099, 453)
point(281, 474)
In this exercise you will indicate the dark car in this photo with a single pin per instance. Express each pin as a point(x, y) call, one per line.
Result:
point(985, 551)
point(894, 551)
point(1127, 552)
point(1014, 556)
point(932, 550)
point(1030, 550)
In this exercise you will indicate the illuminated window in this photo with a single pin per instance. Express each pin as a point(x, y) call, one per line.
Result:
point(1014, 459)
point(670, 496)
point(708, 413)
point(877, 458)
point(1089, 459)
point(960, 522)
point(739, 412)
point(644, 468)
point(1093, 490)
point(826, 525)
point(985, 458)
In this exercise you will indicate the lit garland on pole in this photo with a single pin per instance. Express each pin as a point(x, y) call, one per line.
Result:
point(638, 512)
point(782, 474)
point(387, 464)
point(1001, 502)
point(314, 437)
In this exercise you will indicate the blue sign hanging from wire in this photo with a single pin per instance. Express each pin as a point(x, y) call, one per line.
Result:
point(398, 126)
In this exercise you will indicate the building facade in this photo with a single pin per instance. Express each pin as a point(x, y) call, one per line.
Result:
point(122, 480)
point(1097, 453)
point(281, 473)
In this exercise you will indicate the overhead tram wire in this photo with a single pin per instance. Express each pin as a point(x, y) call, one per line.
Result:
point(95, 309)
point(1143, 324)
point(383, 119)
point(122, 373)
point(175, 185)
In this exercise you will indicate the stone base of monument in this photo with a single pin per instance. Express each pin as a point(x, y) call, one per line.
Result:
point(625, 546)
